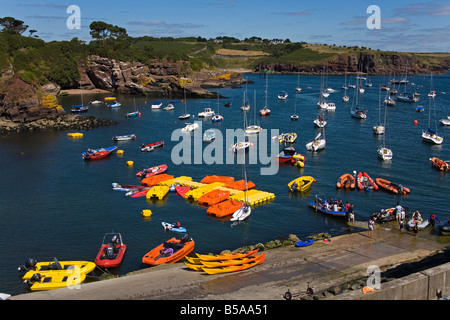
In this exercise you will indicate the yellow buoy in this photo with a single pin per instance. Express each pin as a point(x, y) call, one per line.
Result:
point(120, 152)
point(146, 213)
point(130, 163)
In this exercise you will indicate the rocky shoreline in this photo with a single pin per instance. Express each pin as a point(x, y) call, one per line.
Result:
point(60, 122)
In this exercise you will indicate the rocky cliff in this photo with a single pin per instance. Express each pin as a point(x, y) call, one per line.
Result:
point(161, 79)
point(373, 63)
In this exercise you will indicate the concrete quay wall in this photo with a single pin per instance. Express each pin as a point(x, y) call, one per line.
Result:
point(423, 285)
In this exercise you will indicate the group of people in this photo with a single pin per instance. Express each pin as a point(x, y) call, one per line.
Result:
point(338, 205)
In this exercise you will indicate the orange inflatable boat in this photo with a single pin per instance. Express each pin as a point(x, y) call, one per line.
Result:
point(224, 208)
point(171, 251)
point(154, 180)
point(213, 197)
point(346, 181)
point(392, 187)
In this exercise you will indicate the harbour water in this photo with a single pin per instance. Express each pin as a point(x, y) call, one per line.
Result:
point(54, 204)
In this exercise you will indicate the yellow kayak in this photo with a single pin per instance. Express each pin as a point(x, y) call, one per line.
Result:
point(301, 184)
point(226, 256)
point(235, 268)
point(232, 262)
point(196, 267)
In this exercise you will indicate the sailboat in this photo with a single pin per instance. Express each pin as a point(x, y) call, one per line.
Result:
point(406, 97)
point(135, 113)
point(295, 115)
point(318, 143)
point(322, 103)
point(320, 122)
point(356, 112)
point(297, 88)
point(79, 108)
point(245, 210)
point(245, 105)
point(185, 115)
point(431, 135)
point(217, 117)
point(254, 128)
point(432, 93)
point(379, 129)
point(383, 152)
point(345, 98)
point(265, 111)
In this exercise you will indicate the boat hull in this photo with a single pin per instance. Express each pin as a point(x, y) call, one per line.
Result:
point(181, 249)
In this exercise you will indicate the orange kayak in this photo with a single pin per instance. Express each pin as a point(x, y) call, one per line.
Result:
point(225, 256)
point(224, 208)
point(231, 262)
point(180, 249)
point(214, 196)
point(392, 187)
point(154, 180)
point(346, 181)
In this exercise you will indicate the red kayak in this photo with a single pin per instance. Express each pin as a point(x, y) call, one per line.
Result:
point(148, 172)
point(111, 251)
point(140, 193)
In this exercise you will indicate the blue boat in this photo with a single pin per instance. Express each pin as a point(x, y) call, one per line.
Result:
point(420, 109)
point(169, 227)
point(319, 205)
point(115, 105)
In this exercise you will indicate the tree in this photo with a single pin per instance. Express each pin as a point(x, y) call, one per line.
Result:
point(13, 25)
point(31, 32)
point(101, 31)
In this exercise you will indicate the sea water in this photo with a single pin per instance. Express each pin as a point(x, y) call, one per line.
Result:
point(55, 204)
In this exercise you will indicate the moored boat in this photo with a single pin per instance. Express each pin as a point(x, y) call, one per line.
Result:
point(94, 154)
point(364, 181)
point(148, 172)
point(301, 184)
point(151, 146)
point(124, 137)
point(286, 155)
point(112, 251)
point(440, 164)
point(347, 180)
point(392, 187)
point(170, 251)
point(79, 109)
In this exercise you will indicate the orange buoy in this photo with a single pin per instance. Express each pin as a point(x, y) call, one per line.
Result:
point(416, 122)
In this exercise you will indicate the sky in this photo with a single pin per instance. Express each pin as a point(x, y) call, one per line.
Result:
point(404, 25)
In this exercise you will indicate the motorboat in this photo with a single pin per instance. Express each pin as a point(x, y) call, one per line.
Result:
point(208, 112)
point(209, 135)
point(190, 127)
point(170, 251)
point(112, 251)
point(170, 106)
point(124, 137)
point(151, 146)
point(283, 95)
point(115, 104)
point(156, 104)
point(241, 145)
point(95, 154)
point(301, 184)
point(385, 153)
point(358, 113)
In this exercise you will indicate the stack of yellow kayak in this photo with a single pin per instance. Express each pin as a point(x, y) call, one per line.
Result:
point(157, 192)
point(225, 263)
point(57, 274)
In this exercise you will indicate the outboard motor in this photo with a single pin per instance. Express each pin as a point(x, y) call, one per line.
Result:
point(29, 264)
point(35, 277)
